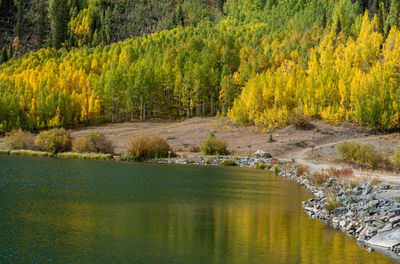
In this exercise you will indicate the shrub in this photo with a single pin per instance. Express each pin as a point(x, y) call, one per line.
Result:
point(276, 170)
point(194, 149)
point(24, 152)
point(396, 158)
point(148, 147)
point(301, 170)
point(260, 165)
point(94, 142)
point(333, 204)
point(83, 144)
point(54, 140)
point(19, 139)
point(364, 154)
point(300, 121)
point(213, 146)
point(229, 162)
point(341, 173)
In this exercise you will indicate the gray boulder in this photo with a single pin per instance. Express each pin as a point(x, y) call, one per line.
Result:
point(262, 154)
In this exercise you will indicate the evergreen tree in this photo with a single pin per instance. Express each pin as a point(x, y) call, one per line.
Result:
point(59, 17)
point(20, 17)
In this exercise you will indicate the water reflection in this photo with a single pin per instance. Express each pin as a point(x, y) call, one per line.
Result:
point(62, 211)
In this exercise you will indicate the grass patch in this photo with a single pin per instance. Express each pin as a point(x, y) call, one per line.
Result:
point(318, 178)
point(25, 152)
point(4, 152)
point(214, 146)
point(229, 162)
point(329, 133)
point(88, 156)
point(352, 199)
point(333, 204)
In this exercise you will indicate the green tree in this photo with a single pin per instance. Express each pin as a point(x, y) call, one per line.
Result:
point(59, 17)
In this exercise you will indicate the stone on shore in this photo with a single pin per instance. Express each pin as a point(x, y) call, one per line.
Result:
point(386, 239)
point(263, 154)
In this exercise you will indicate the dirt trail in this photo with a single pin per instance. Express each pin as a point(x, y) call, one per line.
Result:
point(306, 157)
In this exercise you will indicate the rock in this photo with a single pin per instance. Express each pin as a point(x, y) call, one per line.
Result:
point(263, 154)
point(384, 187)
point(387, 227)
point(371, 204)
point(394, 220)
point(339, 211)
point(386, 239)
point(370, 250)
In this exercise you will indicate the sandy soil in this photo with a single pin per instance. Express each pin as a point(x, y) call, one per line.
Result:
point(240, 140)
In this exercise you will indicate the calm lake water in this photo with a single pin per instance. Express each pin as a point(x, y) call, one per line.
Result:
point(72, 211)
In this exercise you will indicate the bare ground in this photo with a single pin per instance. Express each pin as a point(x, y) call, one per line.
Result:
point(288, 142)
point(240, 140)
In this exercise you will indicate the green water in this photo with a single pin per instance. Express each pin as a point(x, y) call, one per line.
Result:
point(72, 211)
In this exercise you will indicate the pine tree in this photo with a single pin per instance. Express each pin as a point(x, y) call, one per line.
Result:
point(20, 17)
point(59, 17)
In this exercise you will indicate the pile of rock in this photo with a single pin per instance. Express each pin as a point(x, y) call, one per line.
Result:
point(243, 162)
point(370, 213)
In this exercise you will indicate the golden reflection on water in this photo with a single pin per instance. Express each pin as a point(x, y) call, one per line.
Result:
point(217, 216)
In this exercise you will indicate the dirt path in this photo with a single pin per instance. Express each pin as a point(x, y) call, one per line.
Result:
point(306, 157)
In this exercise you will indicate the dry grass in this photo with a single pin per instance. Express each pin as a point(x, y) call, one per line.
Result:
point(19, 139)
point(301, 170)
point(194, 149)
point(25, 152)
point(89, 156)
point(345, 173)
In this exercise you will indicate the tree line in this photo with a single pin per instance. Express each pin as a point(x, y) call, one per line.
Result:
point(259, 63)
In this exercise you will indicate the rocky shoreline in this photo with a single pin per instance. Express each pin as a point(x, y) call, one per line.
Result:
point(369, 211)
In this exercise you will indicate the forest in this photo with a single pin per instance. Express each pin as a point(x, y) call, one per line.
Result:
point(72, 63)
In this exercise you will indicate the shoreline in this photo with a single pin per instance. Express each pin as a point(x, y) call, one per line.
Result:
point(369, 212)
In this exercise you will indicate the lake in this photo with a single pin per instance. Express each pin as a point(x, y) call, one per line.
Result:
point(76, 211)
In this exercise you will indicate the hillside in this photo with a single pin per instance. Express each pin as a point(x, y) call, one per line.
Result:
point(259, 62)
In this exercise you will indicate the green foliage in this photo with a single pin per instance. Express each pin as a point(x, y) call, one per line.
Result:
point(19, 139)
point(276, 169)
point(24, 152)
point(54, 140)
point(148, 147)
point(352, 199)
point(260, 165)
point(213, 146)
point(59, 17)
point(396, 158)
point(228, 162)
point(365, 154)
